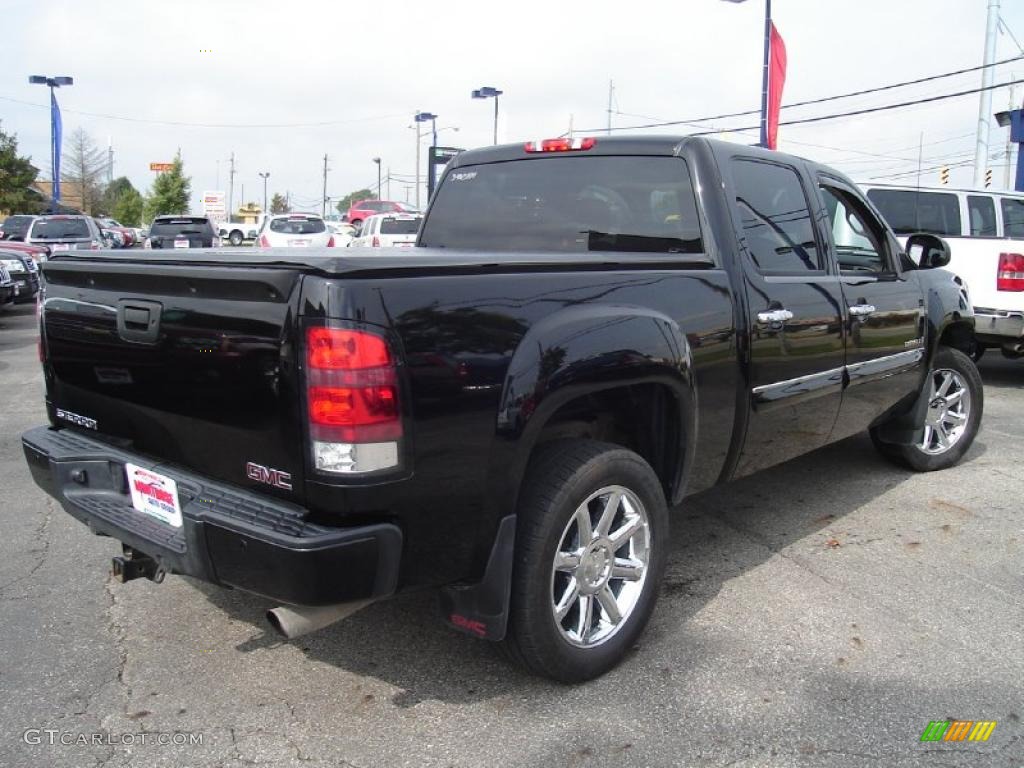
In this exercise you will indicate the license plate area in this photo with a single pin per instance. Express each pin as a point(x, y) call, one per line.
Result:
point(154, 494)
point(181, 243)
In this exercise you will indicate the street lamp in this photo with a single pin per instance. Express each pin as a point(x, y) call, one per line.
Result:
point(55, 128)
point(377, 161)
point(264, 176)
point(422, 117)
point(488, 92)
point(764, 69)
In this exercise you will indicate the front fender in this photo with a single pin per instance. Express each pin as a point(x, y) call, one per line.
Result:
point(580, 351)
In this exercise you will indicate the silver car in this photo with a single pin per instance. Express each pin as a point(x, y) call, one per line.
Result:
point(65, 233)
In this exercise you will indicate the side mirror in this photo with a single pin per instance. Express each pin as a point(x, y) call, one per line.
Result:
point(928, 251)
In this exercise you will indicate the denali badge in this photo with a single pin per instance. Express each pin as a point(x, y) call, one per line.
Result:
point(74, 418)
point(268, 476)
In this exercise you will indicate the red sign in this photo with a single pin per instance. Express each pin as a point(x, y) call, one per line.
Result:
point(160, 167)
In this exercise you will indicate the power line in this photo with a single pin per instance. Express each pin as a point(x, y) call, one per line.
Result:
point(867, 110)
point(821, 100)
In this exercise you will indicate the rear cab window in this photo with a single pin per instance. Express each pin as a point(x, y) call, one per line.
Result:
point(298, 225)
point(909, 211)
point(567, 204)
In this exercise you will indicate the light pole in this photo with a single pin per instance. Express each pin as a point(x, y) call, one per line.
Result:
point(377, 161)
point(764, 67)
point(422, 117)
point(487, 92)
point(56, 128)
point(264, 176)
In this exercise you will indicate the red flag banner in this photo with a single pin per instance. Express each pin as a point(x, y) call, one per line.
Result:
point(776, 80)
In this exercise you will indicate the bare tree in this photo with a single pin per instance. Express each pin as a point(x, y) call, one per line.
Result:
point(86, 165)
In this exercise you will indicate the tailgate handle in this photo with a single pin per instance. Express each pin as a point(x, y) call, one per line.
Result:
point(138, 320)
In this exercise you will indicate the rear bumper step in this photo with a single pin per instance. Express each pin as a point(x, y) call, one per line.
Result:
point(228, 536)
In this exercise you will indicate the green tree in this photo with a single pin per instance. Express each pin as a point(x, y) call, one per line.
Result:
point(353, 197)
point(114, 190)
point(16, 176)
point(279, 204)
point(128, 207)
point(170, 193)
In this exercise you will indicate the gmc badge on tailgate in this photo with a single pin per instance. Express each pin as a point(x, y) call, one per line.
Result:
point(268, 476)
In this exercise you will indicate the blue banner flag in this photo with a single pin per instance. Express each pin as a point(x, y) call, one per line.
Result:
point(56, 137)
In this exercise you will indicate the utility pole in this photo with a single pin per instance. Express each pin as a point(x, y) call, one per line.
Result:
point(325, 187)
point(110, 160)
point(389, 183)
point(985, 102)
point(1008, 171)
point(611, 95)
point(418, 123)
point(231, 189)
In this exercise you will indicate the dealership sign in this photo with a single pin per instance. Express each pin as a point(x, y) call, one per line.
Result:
point(215, 205)
point(161, 167)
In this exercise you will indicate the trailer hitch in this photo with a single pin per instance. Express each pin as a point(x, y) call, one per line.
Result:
point(135, 565)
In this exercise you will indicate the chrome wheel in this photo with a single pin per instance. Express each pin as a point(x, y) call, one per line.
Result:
point(949, 410)
point(600, 566)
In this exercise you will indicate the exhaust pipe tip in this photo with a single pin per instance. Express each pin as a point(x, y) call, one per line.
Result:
point(291, 621)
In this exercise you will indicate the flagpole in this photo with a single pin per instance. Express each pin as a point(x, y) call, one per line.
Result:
point(764, 73)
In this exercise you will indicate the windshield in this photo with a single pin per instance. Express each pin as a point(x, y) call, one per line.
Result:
point(597, 203)
point(399, 226)
point(60, 229)
point(298, 225)
point(183, 226)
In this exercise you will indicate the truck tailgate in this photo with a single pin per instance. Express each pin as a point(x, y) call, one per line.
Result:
point(191, 364)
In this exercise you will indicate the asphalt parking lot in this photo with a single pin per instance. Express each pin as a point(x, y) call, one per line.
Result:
point(818, 614)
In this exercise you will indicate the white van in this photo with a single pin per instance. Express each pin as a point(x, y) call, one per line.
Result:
point(985, 231)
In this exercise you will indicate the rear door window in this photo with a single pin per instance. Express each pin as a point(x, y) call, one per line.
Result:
point(775, 217)
point(567, 204)
point(909, 211)
point(1013, 217)
point(982, 213)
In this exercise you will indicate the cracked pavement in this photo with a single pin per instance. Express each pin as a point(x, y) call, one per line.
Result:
point(818, 614)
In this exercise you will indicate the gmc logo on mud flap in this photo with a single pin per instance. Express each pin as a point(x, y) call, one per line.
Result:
point(268, 476)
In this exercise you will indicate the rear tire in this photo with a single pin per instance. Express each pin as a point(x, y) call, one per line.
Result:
point(591, 546)
point(235, 238)
point(957, 400)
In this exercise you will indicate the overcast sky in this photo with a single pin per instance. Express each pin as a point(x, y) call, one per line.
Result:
point(366, 68)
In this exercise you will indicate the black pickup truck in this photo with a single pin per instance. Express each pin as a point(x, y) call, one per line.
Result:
point(589, 331)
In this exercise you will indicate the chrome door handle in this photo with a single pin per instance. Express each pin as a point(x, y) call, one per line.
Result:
point(774, 317)
point(862, 310)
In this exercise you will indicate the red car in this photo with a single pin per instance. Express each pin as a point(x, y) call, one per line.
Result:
point(37, 252)
point(366, 208)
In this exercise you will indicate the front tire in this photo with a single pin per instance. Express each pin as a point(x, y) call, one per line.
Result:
point(956, 401)
point(591, 547)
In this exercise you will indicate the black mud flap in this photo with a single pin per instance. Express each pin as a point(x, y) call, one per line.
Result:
point(481, 609)
point(908, 427)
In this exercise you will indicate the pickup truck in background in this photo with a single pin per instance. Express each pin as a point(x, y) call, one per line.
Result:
point(589, 331)
point(985, 232)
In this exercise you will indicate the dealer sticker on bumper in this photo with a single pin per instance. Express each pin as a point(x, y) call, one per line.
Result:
point(154, 494)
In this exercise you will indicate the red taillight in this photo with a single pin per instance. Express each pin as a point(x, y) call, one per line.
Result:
point(330, 243)
point(264, 242)
point(561, 145)
point(375, 242)
point(1010, 273)
point(336, 349)
point(353, 388)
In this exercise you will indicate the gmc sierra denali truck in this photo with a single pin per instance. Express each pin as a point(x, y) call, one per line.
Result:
point(589, 331)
